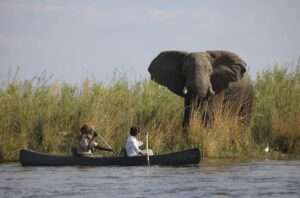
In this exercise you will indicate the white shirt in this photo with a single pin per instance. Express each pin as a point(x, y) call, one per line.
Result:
point(132, 146)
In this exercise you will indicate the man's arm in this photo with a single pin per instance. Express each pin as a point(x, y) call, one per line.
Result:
point(136, 144)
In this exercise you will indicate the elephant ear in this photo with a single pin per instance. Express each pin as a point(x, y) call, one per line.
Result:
point(166, 70)
point(227, 67)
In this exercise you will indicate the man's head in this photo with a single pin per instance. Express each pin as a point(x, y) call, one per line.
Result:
point(134, 131)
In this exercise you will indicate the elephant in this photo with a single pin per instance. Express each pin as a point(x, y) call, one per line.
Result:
point(205, 79)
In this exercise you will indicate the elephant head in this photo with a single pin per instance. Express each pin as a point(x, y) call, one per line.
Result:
point(199, 74)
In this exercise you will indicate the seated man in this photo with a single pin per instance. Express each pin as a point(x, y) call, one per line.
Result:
point(132, 146)
point(87, 142)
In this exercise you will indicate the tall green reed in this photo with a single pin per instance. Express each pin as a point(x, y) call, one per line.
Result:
point(277, 112)
point(47, 116)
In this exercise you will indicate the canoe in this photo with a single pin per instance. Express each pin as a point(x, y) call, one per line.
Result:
point(33, 158)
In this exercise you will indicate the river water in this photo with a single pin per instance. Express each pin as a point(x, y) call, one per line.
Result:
point(210, 179)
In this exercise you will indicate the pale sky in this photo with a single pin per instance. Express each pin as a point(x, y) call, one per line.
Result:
point(75, 39)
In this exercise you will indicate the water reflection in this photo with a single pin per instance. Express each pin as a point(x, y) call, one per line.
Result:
point(212, 178)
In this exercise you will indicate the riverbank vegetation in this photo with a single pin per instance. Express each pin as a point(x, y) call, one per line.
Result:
point(47, 116)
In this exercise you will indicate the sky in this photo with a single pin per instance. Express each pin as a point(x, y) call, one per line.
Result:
point(74, 40)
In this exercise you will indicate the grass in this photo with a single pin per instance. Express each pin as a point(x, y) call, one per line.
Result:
point(277, 112)
point(46, 117)
point(226, 138)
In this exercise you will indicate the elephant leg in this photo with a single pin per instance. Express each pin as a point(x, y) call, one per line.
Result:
point(191, 102)
point(207, 114)
point(187, 111)
point(246, 109)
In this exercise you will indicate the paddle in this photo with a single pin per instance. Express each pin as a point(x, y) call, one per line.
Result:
point(103, 140)
point(103, 148)
point(147, 153)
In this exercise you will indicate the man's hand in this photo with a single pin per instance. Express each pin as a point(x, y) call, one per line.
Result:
point(95, 134)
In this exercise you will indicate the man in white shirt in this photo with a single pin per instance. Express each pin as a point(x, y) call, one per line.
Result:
point(133, 144)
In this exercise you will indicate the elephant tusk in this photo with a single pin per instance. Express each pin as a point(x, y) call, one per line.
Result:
point(184, 91)
point(211, 91)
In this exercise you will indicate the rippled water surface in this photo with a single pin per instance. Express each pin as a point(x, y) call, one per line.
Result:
point(253, 179)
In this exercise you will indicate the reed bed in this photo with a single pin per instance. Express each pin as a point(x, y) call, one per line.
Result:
point(47, 116)
point(276, 119)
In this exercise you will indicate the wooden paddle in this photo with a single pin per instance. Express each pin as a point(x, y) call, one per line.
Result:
point(103, 140)
point(147, 147)
point(103, 148)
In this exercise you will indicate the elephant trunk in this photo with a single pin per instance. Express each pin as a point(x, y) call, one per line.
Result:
point(197, 71)
point(200, 88)
point(194, 102)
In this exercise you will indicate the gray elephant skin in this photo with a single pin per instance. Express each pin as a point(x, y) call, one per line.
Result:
point(206, 80)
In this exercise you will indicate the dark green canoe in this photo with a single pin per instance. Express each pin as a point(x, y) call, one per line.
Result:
point(32, 158)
